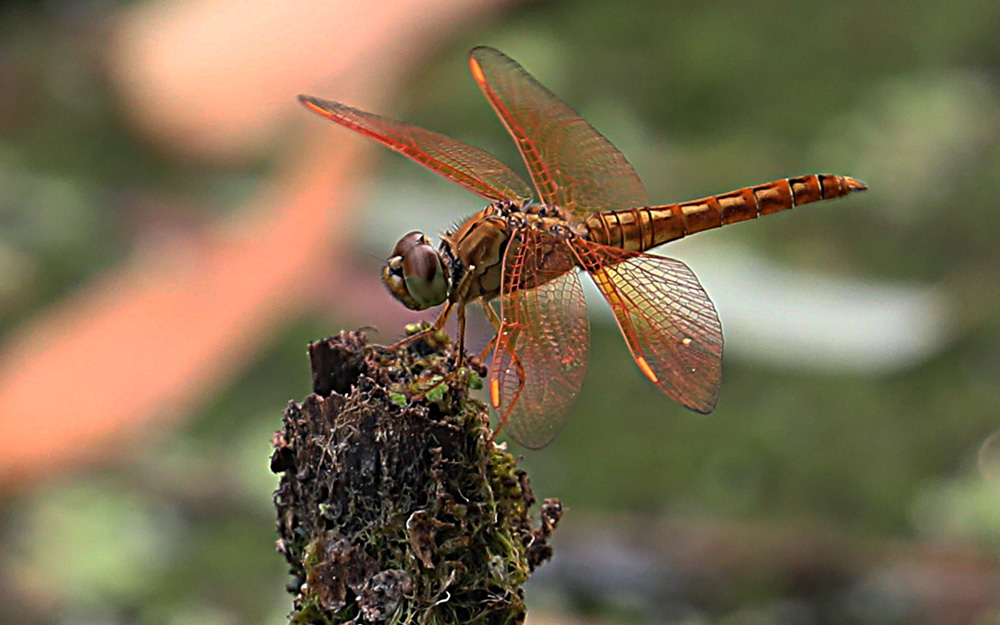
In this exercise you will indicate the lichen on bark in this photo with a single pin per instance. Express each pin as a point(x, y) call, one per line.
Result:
point(394, 505)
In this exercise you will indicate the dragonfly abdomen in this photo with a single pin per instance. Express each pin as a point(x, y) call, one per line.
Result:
point(640, 229)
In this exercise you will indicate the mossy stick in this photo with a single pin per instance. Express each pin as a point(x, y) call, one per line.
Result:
point(394, 505)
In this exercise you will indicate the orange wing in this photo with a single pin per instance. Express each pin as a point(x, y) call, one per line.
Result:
point(472, 168)
point(543, 341)
point(667, 319)
point(572, 165)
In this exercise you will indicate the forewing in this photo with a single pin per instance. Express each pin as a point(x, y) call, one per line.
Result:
point(472, 168)
point(572, 165)
point(543, 342)
point(666, 317)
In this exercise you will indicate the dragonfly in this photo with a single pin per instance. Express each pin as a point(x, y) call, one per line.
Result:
point(592, 215)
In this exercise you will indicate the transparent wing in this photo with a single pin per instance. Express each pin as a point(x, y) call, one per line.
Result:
point(472, 168)
point(572, 165)
point(543, 342)
point(666, 317)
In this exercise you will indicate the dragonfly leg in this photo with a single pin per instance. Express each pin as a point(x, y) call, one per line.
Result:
point(495, 320)
point(438, 324)
point(461, 336)
point(458, 359)
point(459, 296)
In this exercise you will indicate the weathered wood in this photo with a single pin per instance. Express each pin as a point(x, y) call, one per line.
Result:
point(393, 503)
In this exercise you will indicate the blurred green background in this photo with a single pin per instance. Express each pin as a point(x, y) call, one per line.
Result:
point(850, 472)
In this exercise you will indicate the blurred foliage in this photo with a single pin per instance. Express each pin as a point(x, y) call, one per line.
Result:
point(702, 97)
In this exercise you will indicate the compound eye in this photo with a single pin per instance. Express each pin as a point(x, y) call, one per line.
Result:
point(425, 276)
point(407, 242)
point(415, 273)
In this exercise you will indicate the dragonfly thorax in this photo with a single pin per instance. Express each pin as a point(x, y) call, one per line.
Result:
point(474, 250)
point(415, 273)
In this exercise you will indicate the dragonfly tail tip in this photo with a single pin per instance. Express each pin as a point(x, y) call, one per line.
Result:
point(853, 184)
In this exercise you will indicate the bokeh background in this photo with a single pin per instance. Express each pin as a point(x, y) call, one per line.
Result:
point(174, 229)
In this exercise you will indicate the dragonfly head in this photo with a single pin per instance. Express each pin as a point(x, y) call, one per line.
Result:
point(415, 273)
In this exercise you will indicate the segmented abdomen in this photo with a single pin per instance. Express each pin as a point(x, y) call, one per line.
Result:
point(643, 228)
